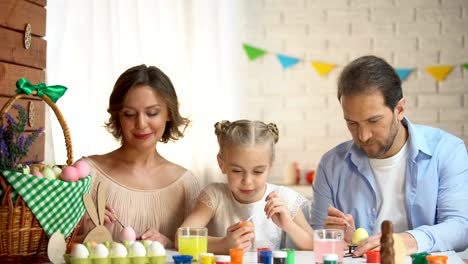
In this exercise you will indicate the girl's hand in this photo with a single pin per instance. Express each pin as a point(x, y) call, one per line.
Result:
point(238, 236)
point(154, 235)
point(277, 210)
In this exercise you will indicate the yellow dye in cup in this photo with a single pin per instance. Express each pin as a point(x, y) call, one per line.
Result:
point(193, 245)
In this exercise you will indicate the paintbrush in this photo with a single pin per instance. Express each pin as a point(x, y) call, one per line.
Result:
point(346, 222)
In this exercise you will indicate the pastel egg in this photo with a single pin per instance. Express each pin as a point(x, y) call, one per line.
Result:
point(70, 174)
point(127, 234)
point(359, 235)
point(83, 168)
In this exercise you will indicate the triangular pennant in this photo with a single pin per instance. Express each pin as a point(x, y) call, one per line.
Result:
point(253, 52)
point(439, 72)
point(465, 66)
point(286, 61)
point(323, 68)
point(403, 73)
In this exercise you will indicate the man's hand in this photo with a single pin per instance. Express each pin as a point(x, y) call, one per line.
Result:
point(337, 220)
point(373, 242)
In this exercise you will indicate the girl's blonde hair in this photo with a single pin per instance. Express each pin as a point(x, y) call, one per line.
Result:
point(245, 133)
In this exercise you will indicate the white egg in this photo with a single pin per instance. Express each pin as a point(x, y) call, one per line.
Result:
point(157, 249)
point(101, 251)
point(119, 250)
point(138, 250)
point(79, 251)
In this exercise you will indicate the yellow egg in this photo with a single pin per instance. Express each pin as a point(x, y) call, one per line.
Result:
point(359, 235)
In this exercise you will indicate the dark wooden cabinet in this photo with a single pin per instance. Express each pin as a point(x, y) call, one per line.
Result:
point(23, 53)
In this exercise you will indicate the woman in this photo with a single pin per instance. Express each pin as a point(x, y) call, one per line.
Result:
point(144, 190)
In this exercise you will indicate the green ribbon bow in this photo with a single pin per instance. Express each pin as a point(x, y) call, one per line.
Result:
point(54, 91)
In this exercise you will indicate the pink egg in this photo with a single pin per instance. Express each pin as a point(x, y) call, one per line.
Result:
point(127, 234)
point(37, 174)
point(83, 168)
point(70, 174)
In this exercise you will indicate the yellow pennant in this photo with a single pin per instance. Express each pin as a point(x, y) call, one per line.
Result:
point(439, 72)
point(323, 68)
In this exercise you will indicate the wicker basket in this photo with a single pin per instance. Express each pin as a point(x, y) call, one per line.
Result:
point(20, 231)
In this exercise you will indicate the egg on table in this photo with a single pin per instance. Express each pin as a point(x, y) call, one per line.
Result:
point(101, 251)
point(137, 249)
point(119, 250)
point(156, 249)
point(79, 251)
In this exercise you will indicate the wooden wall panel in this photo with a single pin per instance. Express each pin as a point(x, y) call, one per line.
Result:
point(38, 111)
point(12, 49)
point(10, 73)
point(15, 14)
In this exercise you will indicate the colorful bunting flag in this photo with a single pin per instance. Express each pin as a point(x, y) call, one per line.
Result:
point(439, 72)
point(323, 68)
point(403, 73)
point(287, 61)
point(254, 52)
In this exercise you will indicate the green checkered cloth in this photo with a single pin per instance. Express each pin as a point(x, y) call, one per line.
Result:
point(57, 205)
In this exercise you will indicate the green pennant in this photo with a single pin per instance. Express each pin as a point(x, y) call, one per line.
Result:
point(253, 52)
point(465, 66)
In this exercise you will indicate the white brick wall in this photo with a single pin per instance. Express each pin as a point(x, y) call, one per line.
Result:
point(407, 33)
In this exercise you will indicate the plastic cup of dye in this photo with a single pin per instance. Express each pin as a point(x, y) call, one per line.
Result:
point(372, 256)
point(328, 241)
point(206, 258)
point(237, 255)
point(290, 259)
point(266, 257)
point(279, 257)
point(419, 258)
point(182, 259)
point(330, 259)
point(192, 241)
point(436, 259)
point(258, 252)
point(223, 259)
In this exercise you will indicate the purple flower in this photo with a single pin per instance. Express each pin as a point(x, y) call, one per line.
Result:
point(14, 144)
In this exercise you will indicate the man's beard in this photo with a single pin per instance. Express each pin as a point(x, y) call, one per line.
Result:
point(385, 146)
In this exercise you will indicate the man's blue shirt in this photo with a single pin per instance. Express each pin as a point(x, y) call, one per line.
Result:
point(436, 188)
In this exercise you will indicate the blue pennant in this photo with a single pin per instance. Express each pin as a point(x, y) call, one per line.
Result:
point(286, 61)
point(403, 73)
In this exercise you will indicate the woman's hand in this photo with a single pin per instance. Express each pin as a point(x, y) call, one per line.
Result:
point(154, 235)
point(109, 217)
point(277, 210)
point(337, 220)
point(238, 236)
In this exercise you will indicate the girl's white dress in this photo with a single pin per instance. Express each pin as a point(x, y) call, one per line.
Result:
point(228, 211)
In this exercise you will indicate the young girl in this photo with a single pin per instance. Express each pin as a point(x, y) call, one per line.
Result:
point(246, 153)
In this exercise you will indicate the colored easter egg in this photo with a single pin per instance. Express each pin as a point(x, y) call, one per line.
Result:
point(127, 234)
point(70, 174)
point(83, 168)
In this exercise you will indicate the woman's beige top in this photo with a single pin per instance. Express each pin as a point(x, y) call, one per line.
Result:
point(162, 209)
